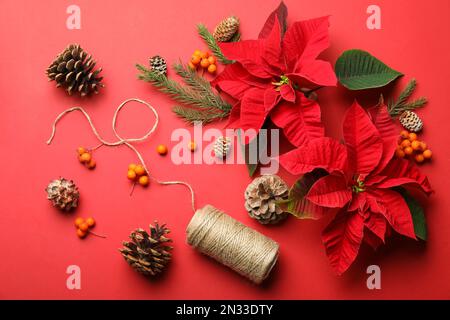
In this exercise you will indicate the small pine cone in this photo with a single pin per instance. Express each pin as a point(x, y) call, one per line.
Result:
point(158, 64)
point(63, 194)
point(148, 253)
point(411, 121)
point(73, 69)
point(226, 29)
point(261, 197)
point(222, 147)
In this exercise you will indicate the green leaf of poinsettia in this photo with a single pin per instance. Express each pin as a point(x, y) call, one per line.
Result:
point(298, 205)
point(359, 70)
point(417, 213)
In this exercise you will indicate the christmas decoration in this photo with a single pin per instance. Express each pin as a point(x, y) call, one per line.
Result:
point(85, 157)
point(212, 44)
point(233, 244)
point(74, 70)
point(262, 197)
point(398, 107)
point(222, 147)
point(226, 29)
point(162, 150)
point(84, 227)
point(410, 146)
point(148, 253)
point(411, 121)
point(360, 184)
point(138, 174)
point(266, 76)
point(200, 102)
point(158, 65)
point(63, 194)
point(203, 59)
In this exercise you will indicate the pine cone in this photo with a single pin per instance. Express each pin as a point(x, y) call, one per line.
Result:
point(148, 253)
point(222, 147)
point(261, 197)
point(73, 69)
point(411, 121)
point(226, 29)
point(158, 65)
point(63, 194)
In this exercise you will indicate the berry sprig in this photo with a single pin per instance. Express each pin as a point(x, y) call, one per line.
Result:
point(205, 60)
point(137, 174)
point(85, 157)
point(83, 227)
point(410, 146)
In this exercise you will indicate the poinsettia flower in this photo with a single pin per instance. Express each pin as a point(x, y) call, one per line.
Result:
point(361, 176)
point(267, 76)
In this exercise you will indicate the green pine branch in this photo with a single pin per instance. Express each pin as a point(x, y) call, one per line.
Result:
point(212, 44)
point(401, 105)
point(200, 102)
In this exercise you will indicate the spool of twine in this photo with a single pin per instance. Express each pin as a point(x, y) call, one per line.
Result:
point(233, 244)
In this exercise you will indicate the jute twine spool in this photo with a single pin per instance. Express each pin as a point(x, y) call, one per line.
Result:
point(233, 244)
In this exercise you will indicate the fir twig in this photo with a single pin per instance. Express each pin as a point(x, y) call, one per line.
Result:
point(199, 100)
point(212, 44)
point(396, 108)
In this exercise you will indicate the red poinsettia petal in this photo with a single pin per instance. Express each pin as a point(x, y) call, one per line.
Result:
point(330, 191)
point(300, 122)
point(249, 53)
point(342, 239)
point(316, 72)
point(232, 72)
point(375, 206)
point(363, 141)
point(358, 202)
point(235, 114)
point(325, 153)
point(236, 89)
point(272, 50)
point(371, 239)
point(253, 113)
point(271, 99)
point(280, 14)
point(288, 93)
point(397, 211)
point(399, 172)
point(377, 224)
point(388, 132)
point(306, 39)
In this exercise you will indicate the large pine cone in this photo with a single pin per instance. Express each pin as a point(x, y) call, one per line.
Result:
point(73, 69)
point(148, 253)
point(63, 194)
point(226, 29)
point(261, 197)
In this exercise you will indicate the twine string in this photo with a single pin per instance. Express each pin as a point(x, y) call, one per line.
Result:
point(233, 244)
point(124, 141)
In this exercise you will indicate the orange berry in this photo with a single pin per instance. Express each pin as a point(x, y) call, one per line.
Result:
point(204, 55)
point(84, 227)
point(212, 60)
point(197, 53)
point(85, 157)
point(90, 222)
point(412, 136)
point(212, 68)
point(195, 60)
point(408, 151)
point(404, 134)
point(131, 166)
point(78, 222)
point(162, 149)
point(139, 170)
point(416, 145)
point(131, 174)
point(419, 158)
point(92, 164)
point(405, 143)
point(81, 234)
point(144, 181)
point(204, 63)
point(192, 146)
point(427, 154)
point(191, 66)
point(423, 145)
point(400, 153)
point(81, 150)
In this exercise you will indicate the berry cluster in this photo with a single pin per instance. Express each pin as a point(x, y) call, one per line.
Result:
point(203, 59)
point(85, 157)
point(410, 146)
point(137, 173)
point(83, 226)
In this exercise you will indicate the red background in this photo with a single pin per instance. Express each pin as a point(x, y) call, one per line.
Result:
point(38, 242)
